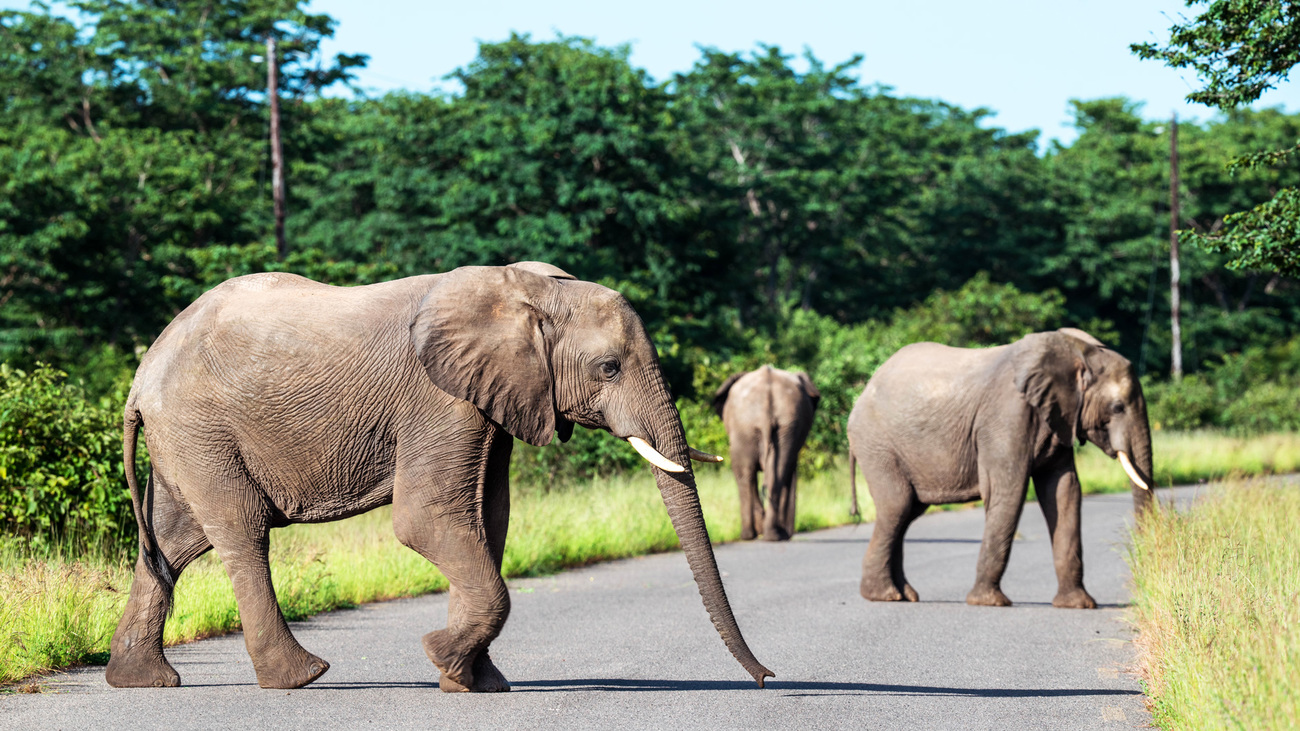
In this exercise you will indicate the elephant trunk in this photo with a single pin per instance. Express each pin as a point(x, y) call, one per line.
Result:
point(1140, 440)
point(683, 504)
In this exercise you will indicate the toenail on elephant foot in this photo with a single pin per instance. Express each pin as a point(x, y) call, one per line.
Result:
point(910, 594)
point(291, 674)
point(487, 678)
point(136, 673)
point(1074, 599)
point(987, 597)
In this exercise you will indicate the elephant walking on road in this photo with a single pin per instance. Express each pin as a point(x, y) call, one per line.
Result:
point(768, 414)
point(273, 399)
point(950, 425)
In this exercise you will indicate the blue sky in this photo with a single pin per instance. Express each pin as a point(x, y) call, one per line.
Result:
point(1024, 60)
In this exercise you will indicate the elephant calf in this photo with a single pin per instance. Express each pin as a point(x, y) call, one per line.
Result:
point(273, 399)
point(948, 425)
point(768, 413)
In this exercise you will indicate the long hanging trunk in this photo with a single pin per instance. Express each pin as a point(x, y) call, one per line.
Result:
point(683, 504)
point(1143, 500)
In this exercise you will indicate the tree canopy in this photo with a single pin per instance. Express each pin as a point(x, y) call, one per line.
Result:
point(752, 194)
point(1240, 49)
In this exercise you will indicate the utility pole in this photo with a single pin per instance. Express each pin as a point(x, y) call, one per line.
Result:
point(1175, 324)
point(277, 153)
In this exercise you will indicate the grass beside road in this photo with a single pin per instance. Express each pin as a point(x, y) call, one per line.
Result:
point(1217, 606)
point(59, 612)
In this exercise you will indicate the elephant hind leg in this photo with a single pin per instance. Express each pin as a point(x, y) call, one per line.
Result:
point(915, 510)
point(136, 657)
point(882, 565)
point(241, 535)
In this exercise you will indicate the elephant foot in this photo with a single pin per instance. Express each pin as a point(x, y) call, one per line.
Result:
point(445, 655)
point(127, 671)
point(775, 534)
point(987, 596)
point(484, 677)
point(909, 593)
point(879, 591)
point(302, 668)
point(748, 534)
point(1077, 598)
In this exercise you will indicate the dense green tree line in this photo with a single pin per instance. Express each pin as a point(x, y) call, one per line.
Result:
point(724, 201)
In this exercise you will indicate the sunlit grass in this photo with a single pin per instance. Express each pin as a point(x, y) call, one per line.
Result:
point(1216, 602)
point(1183, 458)
point(57, 612)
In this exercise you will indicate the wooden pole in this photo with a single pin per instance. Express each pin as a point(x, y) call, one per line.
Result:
point(1175, 323)
point(277, 152)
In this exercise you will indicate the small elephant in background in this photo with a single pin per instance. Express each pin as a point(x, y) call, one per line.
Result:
point(768, 414)
point(938, 424)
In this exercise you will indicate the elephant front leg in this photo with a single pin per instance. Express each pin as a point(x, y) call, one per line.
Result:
point(1060, 497)
point(1002, 506)
point(459, 524)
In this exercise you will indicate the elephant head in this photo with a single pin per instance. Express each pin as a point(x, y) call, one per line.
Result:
point(538, 351)
point(1086, 391)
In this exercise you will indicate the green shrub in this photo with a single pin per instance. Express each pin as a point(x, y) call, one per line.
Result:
point(1190, 403)
point(1251, 392)
point(60, 461)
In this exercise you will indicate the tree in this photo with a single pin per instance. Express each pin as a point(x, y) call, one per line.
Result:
point(125, 144)
point(1240, 49)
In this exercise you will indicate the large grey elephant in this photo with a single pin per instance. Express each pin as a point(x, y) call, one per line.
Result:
point(768, 413)
point(948, 425)
point(274, 400)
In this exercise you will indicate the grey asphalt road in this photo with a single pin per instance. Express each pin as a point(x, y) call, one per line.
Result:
point(628, 644)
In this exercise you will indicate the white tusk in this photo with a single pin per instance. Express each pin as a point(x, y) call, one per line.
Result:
point(653, 457)
point(699, 456)
point(1132, 473)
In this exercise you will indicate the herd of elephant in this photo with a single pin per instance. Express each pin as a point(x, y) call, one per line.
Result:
point(273, 399)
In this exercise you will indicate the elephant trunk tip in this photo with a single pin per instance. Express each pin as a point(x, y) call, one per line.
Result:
point(761, 673)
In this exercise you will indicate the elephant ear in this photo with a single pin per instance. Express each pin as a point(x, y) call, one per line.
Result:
point(720, 396)
point(480, 338)
point(808, 388)
point(1052, 374)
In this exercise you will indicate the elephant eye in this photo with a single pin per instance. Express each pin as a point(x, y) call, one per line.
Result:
point(1118, 408)
point(609, 369)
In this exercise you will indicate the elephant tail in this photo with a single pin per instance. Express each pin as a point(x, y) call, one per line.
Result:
point(853, 483)
point(154, 561)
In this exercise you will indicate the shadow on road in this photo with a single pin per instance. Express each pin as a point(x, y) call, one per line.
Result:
point(808, 688)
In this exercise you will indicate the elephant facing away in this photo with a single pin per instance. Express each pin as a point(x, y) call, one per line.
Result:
point(768, 413)
point(273, 399)
point(937, 424)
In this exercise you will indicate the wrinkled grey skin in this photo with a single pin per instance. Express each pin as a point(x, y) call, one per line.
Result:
point(274, 400)
point(768, 413)
point(950, 425)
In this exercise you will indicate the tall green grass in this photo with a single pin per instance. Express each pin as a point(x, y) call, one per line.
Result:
point(60, 611)
point(1217, 606)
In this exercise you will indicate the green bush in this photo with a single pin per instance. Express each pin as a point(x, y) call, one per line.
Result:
point(1187, 404)
point(1251, 392)
point(60, 461)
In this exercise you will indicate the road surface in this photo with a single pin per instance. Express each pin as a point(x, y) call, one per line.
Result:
point(627, 644)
